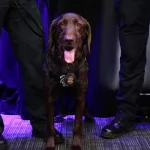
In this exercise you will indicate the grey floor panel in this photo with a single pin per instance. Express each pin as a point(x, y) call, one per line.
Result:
point(18, 134)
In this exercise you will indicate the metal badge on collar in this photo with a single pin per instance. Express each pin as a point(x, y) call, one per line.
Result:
point(68, 79)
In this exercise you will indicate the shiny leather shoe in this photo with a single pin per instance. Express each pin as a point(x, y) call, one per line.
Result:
point(117, 128)
point(59, 139)
point(3, 143)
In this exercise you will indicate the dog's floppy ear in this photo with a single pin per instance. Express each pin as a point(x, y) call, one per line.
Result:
point(89, 35)
point(52, 33)
point(87, 43)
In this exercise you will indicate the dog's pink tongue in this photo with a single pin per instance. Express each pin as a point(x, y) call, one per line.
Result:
point(69, 56)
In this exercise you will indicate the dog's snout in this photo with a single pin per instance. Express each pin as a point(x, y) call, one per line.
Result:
point(69, 41)
point(69, 36)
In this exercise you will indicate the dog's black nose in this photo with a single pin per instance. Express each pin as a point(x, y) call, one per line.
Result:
point(69, 41)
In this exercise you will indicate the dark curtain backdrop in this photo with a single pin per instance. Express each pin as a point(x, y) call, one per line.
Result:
point(103, 61)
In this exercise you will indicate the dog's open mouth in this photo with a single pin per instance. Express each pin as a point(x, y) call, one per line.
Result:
point(69, 55)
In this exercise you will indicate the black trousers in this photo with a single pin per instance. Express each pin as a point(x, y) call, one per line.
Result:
point(28, 46)
point(133, 21)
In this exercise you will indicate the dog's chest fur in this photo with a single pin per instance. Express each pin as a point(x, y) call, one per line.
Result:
point(56, 69)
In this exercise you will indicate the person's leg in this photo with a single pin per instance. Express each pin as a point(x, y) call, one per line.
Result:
point(28, 49)
point(4, 6)
point(133, 20)
point(27, 40)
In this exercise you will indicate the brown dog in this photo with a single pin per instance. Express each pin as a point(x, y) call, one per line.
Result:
point(66, 69)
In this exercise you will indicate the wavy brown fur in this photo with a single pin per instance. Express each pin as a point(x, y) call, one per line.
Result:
point(75, 26)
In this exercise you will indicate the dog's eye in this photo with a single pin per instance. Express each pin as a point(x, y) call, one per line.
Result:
point(62, 24)
point(78, 24)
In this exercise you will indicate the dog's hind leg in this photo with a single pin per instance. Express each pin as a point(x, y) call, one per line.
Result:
point(51, 110)
point(80, 102)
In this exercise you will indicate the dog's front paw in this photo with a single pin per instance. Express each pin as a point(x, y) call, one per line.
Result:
point(76, 147)
point(50, 144)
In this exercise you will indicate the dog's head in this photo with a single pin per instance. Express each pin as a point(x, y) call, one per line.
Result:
point(71, 34)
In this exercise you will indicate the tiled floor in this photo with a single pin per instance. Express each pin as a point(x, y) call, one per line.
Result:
point(18, 134)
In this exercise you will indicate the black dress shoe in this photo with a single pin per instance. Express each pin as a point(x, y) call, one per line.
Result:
point(117, 128)
point(59, 139)
point(3, 143)
point(40, 132)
